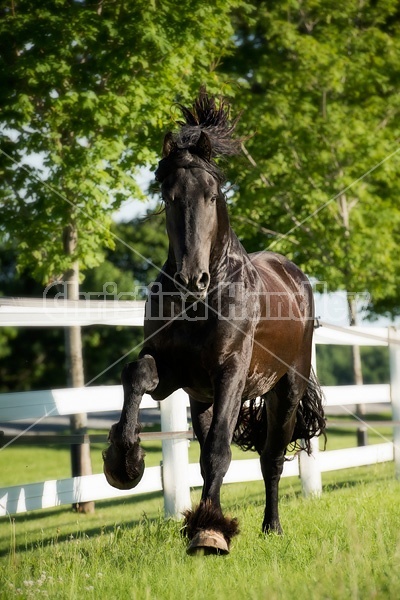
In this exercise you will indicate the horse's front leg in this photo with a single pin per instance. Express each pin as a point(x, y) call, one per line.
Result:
point(207, 528)
point(124, 458)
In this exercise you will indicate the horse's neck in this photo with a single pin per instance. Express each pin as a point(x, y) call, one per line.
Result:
point(227, 253)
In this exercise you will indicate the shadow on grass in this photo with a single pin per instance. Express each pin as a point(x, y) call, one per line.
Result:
point(82, 528)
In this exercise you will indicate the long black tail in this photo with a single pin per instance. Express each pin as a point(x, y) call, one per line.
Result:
point(310, 418)
point(251, 427)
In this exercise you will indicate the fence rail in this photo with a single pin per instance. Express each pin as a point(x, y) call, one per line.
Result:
point(176, 476)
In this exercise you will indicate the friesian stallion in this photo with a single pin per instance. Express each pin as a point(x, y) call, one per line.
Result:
point(234, 330)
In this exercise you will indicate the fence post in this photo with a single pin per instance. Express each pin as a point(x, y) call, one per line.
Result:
point(310, 472)
point(394, 353)
point(175, 468)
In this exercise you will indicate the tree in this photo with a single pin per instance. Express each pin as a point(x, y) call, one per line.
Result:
point(126, 274)
point(319, 88)
point(87, 87)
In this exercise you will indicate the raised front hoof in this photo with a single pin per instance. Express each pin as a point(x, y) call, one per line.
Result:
point(208, 542)
point(123, 468)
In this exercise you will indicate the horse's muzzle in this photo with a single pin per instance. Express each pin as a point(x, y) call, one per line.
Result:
point(192, 288)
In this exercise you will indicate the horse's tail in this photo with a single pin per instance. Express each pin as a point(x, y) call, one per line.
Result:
point(310, 418)
point(251, 428)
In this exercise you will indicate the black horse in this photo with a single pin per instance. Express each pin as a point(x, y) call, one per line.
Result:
point(233, 330)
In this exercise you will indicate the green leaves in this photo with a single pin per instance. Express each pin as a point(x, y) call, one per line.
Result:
point(320, 92)
point(89, 88)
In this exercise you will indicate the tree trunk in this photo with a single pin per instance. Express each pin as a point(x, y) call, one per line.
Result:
point(80, 453)
point(344, 209)
point(362, 436)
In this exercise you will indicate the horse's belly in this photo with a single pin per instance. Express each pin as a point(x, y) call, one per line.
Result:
point(259, 383)
point(200, 394)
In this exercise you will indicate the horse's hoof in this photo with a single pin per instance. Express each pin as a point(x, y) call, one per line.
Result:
point(120, 470)
point(208, 541)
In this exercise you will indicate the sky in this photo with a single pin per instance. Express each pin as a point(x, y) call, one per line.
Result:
point(136, 208)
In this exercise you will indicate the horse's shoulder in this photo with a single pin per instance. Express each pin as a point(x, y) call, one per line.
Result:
point(271, 265)
point(270, 260)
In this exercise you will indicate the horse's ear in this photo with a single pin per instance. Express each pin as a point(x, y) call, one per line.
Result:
point(169, 145)
point(203, 146)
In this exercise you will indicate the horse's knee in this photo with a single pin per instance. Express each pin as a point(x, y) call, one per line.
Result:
point(140, 376)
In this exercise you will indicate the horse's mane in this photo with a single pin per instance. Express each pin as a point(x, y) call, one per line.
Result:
point(209, 115)
point(212, 115)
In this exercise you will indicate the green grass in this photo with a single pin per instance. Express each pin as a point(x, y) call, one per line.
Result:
point(344, 545)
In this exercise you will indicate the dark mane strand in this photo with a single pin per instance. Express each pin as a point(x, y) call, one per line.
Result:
point(212, 117)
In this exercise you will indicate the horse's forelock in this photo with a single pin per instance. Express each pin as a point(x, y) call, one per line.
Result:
point(185, 159)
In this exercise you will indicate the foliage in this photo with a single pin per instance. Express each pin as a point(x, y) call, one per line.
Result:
point(335, 365)
point(319, 89)
point(33, 358)
point(141, 247)
point(88, 88)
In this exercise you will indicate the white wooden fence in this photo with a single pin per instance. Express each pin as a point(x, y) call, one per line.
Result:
point(177, 476)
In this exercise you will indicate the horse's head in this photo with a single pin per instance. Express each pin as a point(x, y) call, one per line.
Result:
point(191, 191)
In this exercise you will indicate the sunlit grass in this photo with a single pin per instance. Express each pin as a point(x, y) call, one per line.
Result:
point(344, 545)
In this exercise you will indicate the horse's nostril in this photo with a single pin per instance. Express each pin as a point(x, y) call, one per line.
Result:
point(194, 284)
point(181, 279)
point(203, 281)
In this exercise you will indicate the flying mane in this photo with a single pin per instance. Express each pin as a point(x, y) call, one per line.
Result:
point(211, 116)
point(213, 120)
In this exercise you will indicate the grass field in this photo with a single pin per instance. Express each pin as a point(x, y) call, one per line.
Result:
point(344, 545)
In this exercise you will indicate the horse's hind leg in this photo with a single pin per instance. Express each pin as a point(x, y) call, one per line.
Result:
point(282, 404)
point(123, 459)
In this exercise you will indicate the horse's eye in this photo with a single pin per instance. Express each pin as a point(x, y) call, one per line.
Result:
point(213, 198)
